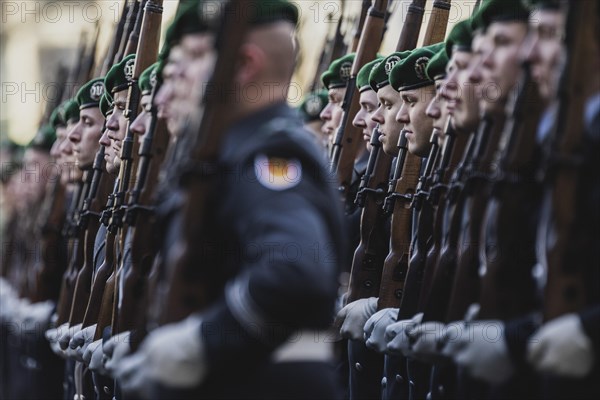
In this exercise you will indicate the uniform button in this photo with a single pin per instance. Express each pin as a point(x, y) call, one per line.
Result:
point(399, 378)
point(428, 397)
point(106, 390)
point(384, 382)
point(358, 367)
point(441, 390)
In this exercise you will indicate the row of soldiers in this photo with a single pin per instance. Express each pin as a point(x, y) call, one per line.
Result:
point(203, 238)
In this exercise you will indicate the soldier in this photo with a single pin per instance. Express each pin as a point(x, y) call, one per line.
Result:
point(192, 353)
point(86, 134)
point(368, 102)
point(116, 84)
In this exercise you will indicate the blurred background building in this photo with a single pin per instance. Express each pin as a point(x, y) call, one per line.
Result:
point(36, 37)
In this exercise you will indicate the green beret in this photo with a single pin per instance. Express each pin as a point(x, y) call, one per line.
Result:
point(410, 73)
point(542, 4)
point(380, 73)
point(188, 20)
point(71, 111)
point(492, 11)
point(44, 138)
point(89, 94)
point(147, 79)
point(120, 75)
point(312, 105)
point(105, 104)
point(57, 116)
point(460, 38)
point(362, 79)
point(436, 69)
point(338, 73)
point(274, 10)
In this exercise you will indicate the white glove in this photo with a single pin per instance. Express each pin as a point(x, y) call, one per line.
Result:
point(13, 309)
point(353, 316)
point(562, 347)
point(93, 355)
point(115, 349)
point(480, 348)
point(52, 335)
point(172, 355)
point(426, 341)
point(376, 326)
point(81, 340)
point(37, 315)
point(66, 337)
point(396, 338)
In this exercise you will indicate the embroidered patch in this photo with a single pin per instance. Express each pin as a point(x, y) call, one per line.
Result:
point(345, 70)
point(128, 69)
point(277, 173)
point(153, 78)
point(390, 63)
point(420, 66)
point(96, 91)
point(314, 105)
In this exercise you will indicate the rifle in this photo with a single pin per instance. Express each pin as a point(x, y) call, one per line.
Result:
point(509, 231)
point(360, 25)
point(186, 293)
point(141, 221)
point(422, 237)
point(70, 275)
point(133, 10)
point(111, 54)
point(89, 222)
point(565, 289)
point(396, 269)
point(347, 140)
point(368, 257)
point(146, 52)
point(50, 266)
point(87, 66)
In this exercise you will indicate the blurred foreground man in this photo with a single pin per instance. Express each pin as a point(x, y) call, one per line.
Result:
point(273, 280)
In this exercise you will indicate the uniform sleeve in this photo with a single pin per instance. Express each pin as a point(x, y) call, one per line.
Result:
point(517, 334)
point(590, 319)
point(288, 277)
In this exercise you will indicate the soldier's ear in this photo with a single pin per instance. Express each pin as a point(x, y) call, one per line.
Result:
point(252, 63)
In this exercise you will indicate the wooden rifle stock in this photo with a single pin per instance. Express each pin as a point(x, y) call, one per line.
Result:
point(397, 275)
point(185, 294)
point(368, 259)
point(422, 236)
point(147, 51)
point(111, 56)
point(360, 25)
point(347, 139)
point(68, 280)
point(508, 235)
point(565, 289)
point(438, 21)
point(401, 189)
point(133, 11)
point(133, 284)
point(51, 264)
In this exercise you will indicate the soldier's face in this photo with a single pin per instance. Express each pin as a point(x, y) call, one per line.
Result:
point(333, 112)
point(164, 97)
point(543, 49)
point(69, 170)
point(34, 184)
point(500, 64)
point(85, 136)
point(142, 123)
point(385, 115)
point(437, 109)
point(459, 92)
point(117, 127)
point(368, 105)
point(199, 58)
point(417, 124)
